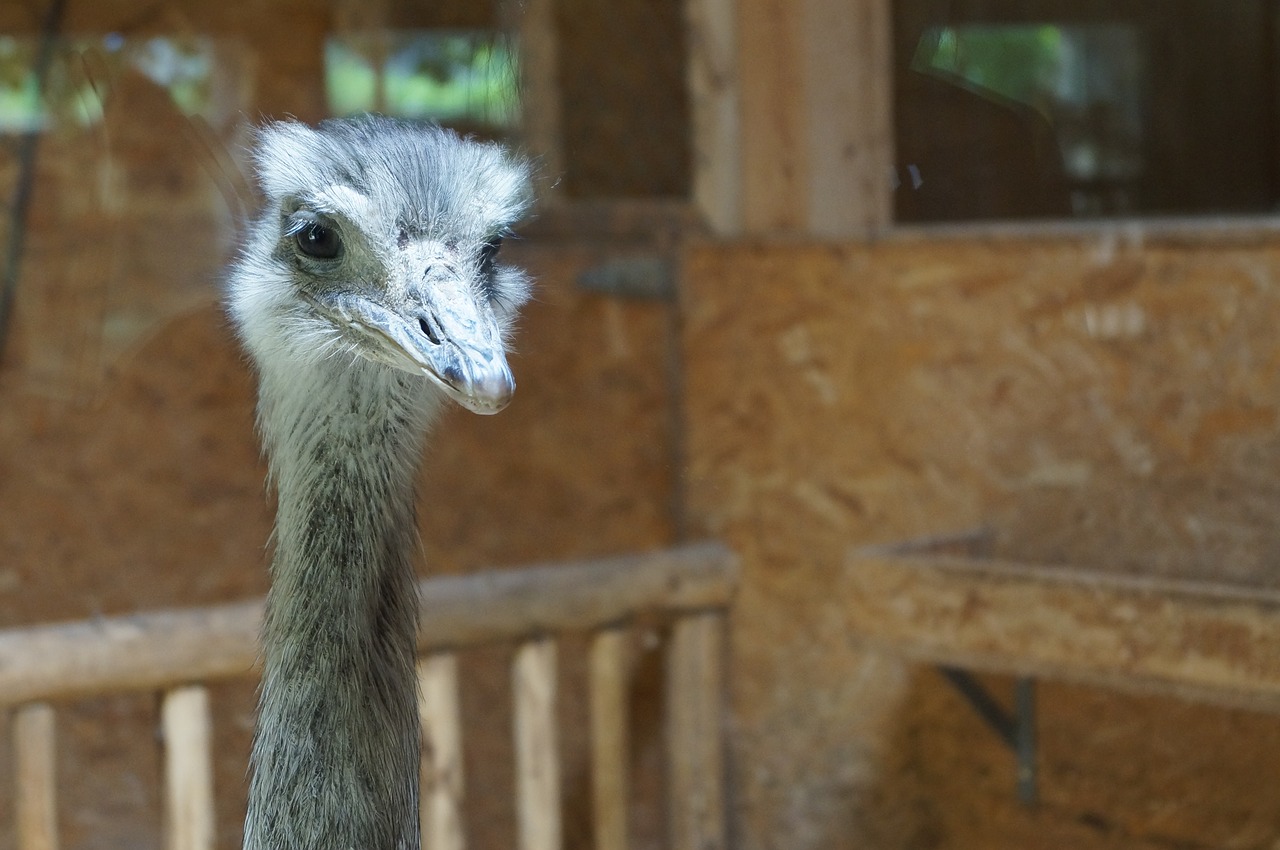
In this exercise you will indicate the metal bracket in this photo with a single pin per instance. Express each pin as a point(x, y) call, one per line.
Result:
point(1017, 730)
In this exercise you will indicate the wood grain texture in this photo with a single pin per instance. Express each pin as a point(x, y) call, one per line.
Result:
point(442, 781)
point(695, 734)
point(849, 117)
point(187, 730)
point(541, 110)
point(1189, 639)
point(157, 650)
point(1103, 397)
point(610, 745)
point(35, 777)
point(775, 151)
point(816, 118)
point(533, 681)
point(715, 113)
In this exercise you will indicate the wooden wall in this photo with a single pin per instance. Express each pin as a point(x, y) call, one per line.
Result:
point(1098, 399)
point(1105, 398)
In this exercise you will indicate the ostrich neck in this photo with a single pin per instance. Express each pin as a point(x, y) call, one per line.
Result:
point(336, 749)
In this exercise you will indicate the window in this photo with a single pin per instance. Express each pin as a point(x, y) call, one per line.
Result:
point(1082, 109)
point(464, 78)
point(83, 70)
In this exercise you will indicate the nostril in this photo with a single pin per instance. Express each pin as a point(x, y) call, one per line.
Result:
point(428, 330)
point(452, 375)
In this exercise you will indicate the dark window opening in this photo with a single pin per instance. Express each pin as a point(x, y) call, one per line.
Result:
point(1065, 109)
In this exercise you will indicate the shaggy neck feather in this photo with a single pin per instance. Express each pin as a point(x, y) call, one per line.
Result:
point(338, 643)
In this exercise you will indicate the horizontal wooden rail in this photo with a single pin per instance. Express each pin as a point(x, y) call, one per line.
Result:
point(1197, 640)
point(160, 650)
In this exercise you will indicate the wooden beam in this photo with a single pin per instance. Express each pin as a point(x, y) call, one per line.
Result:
point(610, 752)
point(35, 777)
point(442, 789)
point(533, 678)
point(695, 742)
point(1190, 639)
point(146, 652)
point(540, 110)
point(188, 768)
point(774, 149)
point(511, 604)
point(715, 116)
point(816, 90)
point(849, 87)
point(159, 650)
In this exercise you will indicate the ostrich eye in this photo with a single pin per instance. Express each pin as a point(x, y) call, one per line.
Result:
point(316, 240)
point(488, 251)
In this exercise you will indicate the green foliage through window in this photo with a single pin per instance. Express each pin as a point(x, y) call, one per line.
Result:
point(453, 76)
point(1089, 81)
point(84, 69)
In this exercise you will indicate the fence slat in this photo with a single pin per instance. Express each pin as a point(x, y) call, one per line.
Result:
point(35, 763)
point(537, 759)
point(188, 768)
point(695, 745)
point(440, 803)
point(609, 744)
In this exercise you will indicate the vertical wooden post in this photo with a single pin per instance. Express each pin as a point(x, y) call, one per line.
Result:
point(609, 745)
point(849, 87)
point(537, 759)
point(440, 803)
point(816, 80)
point(774, 151)
point(714, 91)
point(695, 679)
point(540, 113)
point(188, 768)
point(35, 763)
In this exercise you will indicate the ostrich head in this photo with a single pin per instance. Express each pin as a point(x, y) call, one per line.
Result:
point(379, 241)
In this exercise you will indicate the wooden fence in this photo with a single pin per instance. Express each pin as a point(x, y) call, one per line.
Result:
point(178, 653)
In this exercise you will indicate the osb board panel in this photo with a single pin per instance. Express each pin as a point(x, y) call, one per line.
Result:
point(149, 493)
point(1106, 406)
point(1097, 402)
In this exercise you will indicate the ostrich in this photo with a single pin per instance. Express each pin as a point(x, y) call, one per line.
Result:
point(367, 293)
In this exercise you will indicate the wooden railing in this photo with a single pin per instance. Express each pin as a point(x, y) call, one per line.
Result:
point(178, 653)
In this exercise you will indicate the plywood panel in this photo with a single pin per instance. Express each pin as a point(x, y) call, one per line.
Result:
point(1106, 399)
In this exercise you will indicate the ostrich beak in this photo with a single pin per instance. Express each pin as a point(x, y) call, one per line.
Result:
point(457, 343)
point(447, 336)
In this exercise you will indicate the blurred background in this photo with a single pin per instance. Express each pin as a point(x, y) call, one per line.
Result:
point(812, 275)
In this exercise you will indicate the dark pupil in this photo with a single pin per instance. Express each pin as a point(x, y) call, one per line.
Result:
point(316, 240)
point(488, 251)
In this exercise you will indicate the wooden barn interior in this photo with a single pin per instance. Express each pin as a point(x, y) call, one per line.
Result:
point(921, 350)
